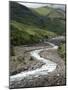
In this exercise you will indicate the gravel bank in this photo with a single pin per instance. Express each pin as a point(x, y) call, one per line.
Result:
point(56, 78)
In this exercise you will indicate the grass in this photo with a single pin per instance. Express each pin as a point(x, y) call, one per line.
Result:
point(61, 51)
point(43, 10)
point(23, 34)
point(56, 26)
point(50, 12)
point(28, 26)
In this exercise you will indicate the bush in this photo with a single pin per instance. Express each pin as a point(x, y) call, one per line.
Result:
point(61, 50)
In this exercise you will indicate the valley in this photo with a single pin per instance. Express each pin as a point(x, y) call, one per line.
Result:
point(37, 46)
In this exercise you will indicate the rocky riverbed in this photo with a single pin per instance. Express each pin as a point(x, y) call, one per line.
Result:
point(55, 78)
point(22, 61)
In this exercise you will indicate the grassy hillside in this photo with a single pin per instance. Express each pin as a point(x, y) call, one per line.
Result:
point(52, 19)
point(61, 51)
point(29, 26)
point(22, 14)
point(50, 12)
point(43, 11)
point(24, 34)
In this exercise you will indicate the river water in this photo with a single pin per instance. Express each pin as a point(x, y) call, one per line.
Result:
point(48, 66)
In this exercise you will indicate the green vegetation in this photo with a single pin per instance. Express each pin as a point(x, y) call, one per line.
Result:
point(56, 26)
point(24, 34)
point(52, 19)
point(50, 12)
point(28, 26)
point(61, 50)
point(43, 10)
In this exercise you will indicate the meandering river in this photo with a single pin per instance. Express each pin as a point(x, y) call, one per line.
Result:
point(48, 66)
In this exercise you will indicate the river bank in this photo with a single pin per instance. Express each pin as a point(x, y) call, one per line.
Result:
point(53, 78)
point(24, 62)
point(50, 73)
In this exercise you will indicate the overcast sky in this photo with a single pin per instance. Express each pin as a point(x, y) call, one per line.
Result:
point(36, 5)
point(33, 5)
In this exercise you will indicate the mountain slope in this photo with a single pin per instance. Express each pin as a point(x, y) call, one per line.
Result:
point(22, 14)
point(50, 11)
point(23, 34)
point(52, 19)
point(28, 26)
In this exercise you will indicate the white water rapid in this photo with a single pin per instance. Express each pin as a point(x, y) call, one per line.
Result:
point(48, 66)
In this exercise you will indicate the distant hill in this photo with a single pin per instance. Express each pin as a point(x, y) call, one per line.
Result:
point(49, 11)
point(33, 25)
point(53, 19)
